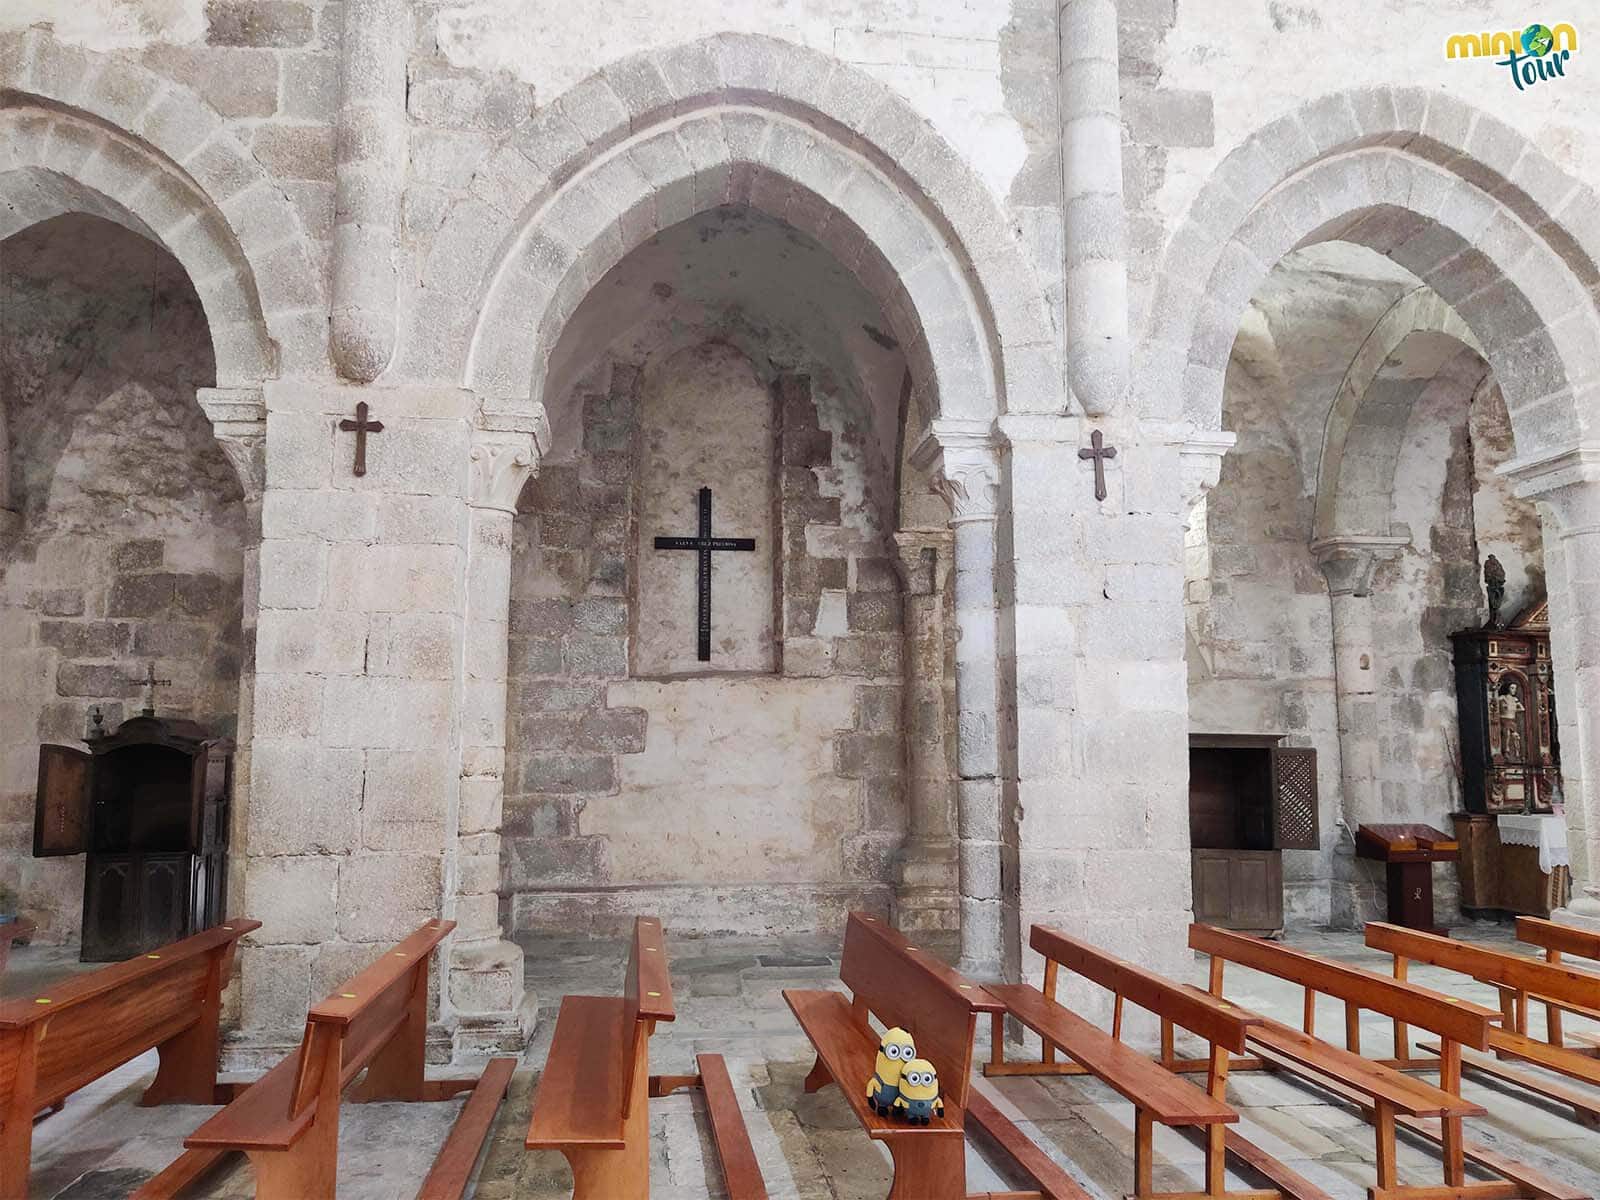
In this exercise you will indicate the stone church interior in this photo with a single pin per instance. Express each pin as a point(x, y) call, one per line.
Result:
point(981, 600)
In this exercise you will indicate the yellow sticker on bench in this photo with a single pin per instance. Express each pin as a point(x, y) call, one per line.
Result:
point(41, 1000)
point(152, 956)
point(347, 995)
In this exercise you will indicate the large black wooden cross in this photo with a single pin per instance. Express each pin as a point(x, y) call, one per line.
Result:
point(704, 544)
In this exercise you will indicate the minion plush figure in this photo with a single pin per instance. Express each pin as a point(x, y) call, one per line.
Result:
point(919, 1100)
point(894, 1052)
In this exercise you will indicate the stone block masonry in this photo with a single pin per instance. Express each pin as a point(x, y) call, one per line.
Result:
point(751, 803)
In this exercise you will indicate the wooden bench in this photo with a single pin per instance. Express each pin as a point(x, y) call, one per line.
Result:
point(1557, 940)
point(591, 1102)
point(903, 986)
point(1392, 1098)
point(374, 1026)
point(1517, 979)
point(1156, 1092)
point(56, 1042)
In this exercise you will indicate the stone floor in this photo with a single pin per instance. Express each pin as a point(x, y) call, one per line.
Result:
point(729, 1001)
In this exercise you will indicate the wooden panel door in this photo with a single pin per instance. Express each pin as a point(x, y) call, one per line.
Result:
point(1238, 889)
point(61, 804)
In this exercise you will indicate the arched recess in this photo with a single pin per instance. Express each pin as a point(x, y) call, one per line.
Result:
point(1457, 197)
point(86, 132)
point(1419, 333)
point(651, 141)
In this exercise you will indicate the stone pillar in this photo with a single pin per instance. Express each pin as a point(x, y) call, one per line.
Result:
point(351, 830)
point(1566, 486)
point(485, 989)
point(1092, 637)
point(928, 879)
point(966, 472)
point(1350, 562)
point(239, 420)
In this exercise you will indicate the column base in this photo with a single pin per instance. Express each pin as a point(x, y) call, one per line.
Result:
point(1582, 913)
point(926, 896)
point(493, 1011)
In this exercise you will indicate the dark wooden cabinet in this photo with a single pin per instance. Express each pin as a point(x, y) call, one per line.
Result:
point(1506, 706)
point(1249, 800)
point(148, 805)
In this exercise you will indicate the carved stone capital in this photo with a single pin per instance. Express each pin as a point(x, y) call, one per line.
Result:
point(1351, 561)
point(964, 465)
point(1200, 462)
point(508, 441)
point(1568, 481)
point(239, 420)
point(923, 559)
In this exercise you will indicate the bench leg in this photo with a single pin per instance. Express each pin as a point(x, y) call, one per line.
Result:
point(16, 1151)
point(929, 1168)
point(188, 1070)
point(1383, 1125)
point(1143, 1154)
point(817, 1078)
point(308, 1170)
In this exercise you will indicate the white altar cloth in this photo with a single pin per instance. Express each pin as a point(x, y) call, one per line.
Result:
point(1548, 833)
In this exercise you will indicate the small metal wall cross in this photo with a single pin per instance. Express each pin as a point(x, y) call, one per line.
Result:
point(1099, 453)
point(361, 427)
point(151, 683)
point(704, 544)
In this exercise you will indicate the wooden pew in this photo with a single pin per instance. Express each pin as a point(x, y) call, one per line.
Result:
point(1393, 1099)
point(287, 1122)
point(54, 1043)
point(1557, 940)
point(1517, 979)
point(901, 985)
point(591, 1102)
point(1157, 1094)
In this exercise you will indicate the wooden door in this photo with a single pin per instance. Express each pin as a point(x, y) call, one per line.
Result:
point(1239, 889)
point(61, 803)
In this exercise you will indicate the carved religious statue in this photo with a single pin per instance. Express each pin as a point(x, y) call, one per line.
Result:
point(1494, 583)
point(1509, 708)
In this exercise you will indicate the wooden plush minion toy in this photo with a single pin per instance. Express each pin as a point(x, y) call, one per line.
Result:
point(919, 1100)
point(894, 1052)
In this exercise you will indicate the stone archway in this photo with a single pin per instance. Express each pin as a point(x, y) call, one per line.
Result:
point(1484, 219)
point(651, 141)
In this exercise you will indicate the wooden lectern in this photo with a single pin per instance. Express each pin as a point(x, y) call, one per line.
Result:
point(1409, 852)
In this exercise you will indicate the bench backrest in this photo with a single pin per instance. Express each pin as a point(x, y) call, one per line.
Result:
point(903, 985)
point(647, 997)
point(1558, 939)
point(1452, 1019)
point(1216, 1021)
point(90, 1024)
point(345, 1031)
point(1487, 966)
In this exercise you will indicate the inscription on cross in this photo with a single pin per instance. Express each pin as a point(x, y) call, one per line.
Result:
point(361, 427)
point(704, 545)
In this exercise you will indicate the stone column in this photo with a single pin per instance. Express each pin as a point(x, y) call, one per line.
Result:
point(485, 984)
point(1566, 486)
point(239, 420)
point(928, 880)
point(1350, 562)
point(966, 472)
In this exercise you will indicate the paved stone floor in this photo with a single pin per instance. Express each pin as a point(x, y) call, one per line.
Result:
point(729, 1001)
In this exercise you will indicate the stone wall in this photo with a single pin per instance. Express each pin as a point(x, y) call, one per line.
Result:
point(750, 802)
point(126, 548)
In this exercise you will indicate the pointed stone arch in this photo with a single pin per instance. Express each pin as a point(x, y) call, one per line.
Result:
point(1458, 197)
point(1420, 312)
point(88, 132)
point(654, 139)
